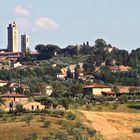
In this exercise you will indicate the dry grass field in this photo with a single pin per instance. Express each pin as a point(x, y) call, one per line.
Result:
point(114, 126)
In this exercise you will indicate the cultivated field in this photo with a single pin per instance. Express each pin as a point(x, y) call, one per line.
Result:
point(114, 126)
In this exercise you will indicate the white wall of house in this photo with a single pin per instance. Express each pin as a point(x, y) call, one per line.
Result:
point(98, 91)
point(33, 106)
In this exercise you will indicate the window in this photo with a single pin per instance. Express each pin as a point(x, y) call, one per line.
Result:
point(32, 107)
point(37, 107)
point(11, 105)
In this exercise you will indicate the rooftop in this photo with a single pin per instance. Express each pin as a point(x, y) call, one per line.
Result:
point(97, 86)
point(13, 94)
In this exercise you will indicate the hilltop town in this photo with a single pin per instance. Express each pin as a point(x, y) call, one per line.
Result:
point(97, 77)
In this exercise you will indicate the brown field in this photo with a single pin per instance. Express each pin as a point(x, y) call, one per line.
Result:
point(114, 126)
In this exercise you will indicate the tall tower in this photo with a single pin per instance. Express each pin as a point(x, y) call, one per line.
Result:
point(24, 43)
point(12, 37)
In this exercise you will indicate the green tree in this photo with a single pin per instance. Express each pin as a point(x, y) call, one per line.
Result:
point(76, 89)
point(28, 118)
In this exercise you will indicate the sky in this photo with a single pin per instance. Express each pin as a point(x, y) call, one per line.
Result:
point(70, 22)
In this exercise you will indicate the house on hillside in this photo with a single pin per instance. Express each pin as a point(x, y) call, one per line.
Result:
point(33, 106)
point(15, 86)
point(120, 68)
point(96, 89)
point(12, 99)
point(3, 83)
point(49, 90)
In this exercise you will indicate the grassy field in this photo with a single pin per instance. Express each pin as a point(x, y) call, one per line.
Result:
point(107, 119)
point(133, 107)
point(18, 129)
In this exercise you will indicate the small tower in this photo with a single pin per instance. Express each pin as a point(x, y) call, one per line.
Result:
point(12, 37)
point(24, 43)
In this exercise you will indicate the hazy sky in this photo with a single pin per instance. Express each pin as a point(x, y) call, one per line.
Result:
point(65, 22)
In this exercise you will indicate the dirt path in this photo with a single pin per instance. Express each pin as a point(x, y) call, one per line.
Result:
point(114, 126)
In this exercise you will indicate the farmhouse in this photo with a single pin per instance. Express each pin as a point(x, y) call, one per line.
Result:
point(3, 83)
point(96, 89)
point(12, 99)
point(33, 106)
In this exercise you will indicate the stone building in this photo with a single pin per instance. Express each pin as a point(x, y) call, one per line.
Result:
point(24, 43)
point(12, 37)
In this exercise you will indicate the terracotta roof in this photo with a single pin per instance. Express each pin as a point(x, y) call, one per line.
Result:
point(108, 92)
point(2, 81)
point(13, 94)
point(97, 86)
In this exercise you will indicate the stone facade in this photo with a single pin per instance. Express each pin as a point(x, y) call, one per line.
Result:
point(24, 43)
point(12, 37)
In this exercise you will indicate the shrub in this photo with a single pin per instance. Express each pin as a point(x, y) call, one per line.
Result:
point(32, 137)
point(91, 132)
point(79, 124)
point(1, 113)
point(80, 137)
point(88, 107)
point(99, 108)
point(123, 99)
point(60, 122)
point(70, 116)
point(75, 106)
point(136, 130)
point(58, 113)
point(19, 108)
point(115, 106)
point(5, 118)
point(42, 117)
point(65, 104)
point(47, 138)
point(46, 124)
point(28, 118)
point(13, 118)
point(61, 136)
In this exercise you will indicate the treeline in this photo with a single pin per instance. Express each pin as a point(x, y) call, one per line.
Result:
point(129, 78)
point(29, 75)
point(99, 53)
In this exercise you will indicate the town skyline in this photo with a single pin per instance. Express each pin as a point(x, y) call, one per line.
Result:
point(64, 23)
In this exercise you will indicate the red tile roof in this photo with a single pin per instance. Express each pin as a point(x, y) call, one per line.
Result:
point(13, 94)
point(2, 81)
point(97, 86)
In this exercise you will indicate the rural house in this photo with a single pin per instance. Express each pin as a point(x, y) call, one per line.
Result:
point(96, 89)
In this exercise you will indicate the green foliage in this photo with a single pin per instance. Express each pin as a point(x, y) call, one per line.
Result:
point(115, 106)
point(123, 99)
point(65, 103)
point(46, 123)
point(61, 136)
point(28, 118)
point(32, 136)
point(70, 116)
point(58, 113)
point(76, 89)
point(4, 118)
point(79, 124)
point(88, 107)
point(91, 132)
point(42, 117)
point(48, 51)
point(19, 108)
point(136, 129)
